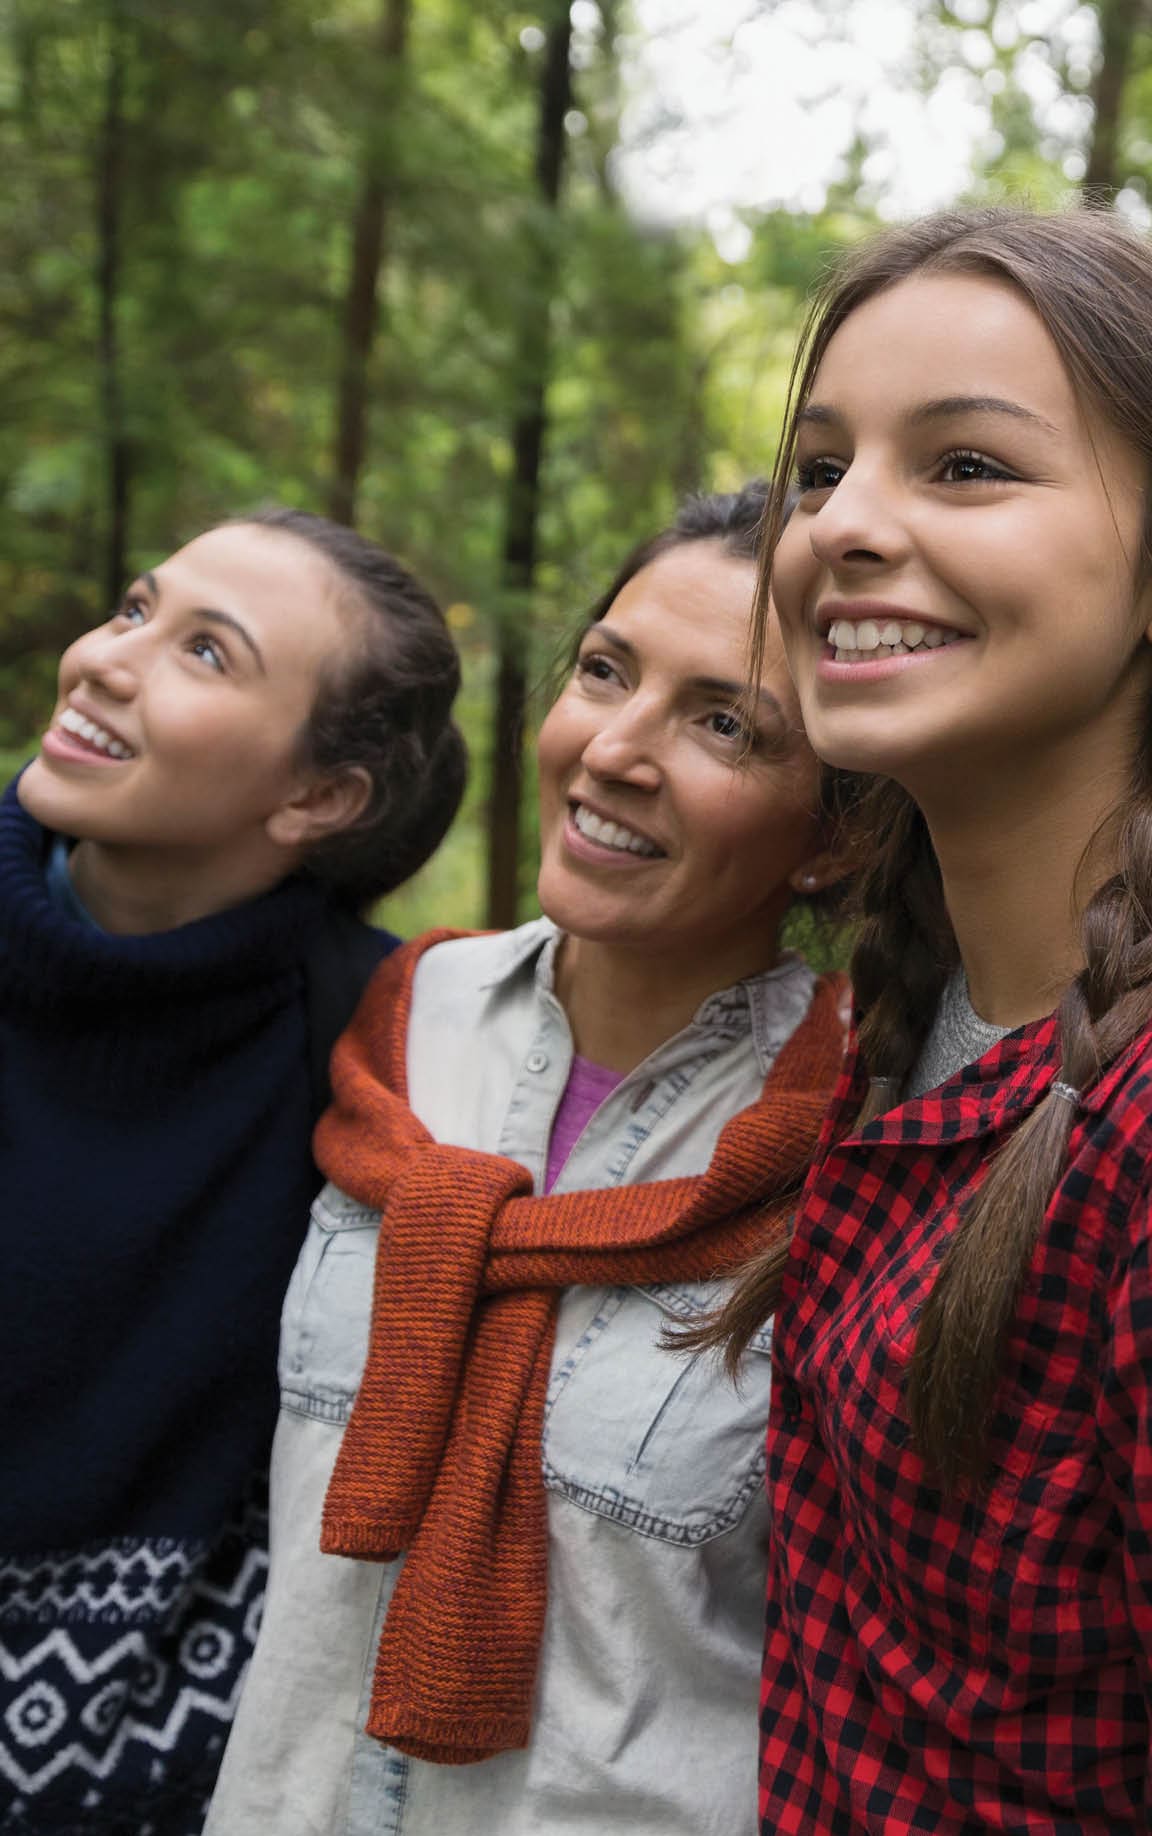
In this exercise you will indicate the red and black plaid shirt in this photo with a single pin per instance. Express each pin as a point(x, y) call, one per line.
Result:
point(982, 1664)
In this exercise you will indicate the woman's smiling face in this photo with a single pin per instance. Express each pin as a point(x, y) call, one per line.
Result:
point(656, 828)
point(958, 586)
point(178, 721)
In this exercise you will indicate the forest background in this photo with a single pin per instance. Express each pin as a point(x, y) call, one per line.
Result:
point(382, 260)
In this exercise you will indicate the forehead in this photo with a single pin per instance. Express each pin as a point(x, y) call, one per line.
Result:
point(264, 574)
point(689, 613)
point(691, 605)
point(936, 336)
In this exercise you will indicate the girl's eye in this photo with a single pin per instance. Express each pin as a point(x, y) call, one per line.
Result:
point(971, 468)
point(209, 652)
point(819, 474)
point(131, 613)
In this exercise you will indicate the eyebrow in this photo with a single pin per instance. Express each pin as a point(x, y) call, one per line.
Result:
point(709, 685)
point(945, 407)
point(214, 617)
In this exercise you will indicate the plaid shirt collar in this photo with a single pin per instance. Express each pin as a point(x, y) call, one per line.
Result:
point(982, 1098)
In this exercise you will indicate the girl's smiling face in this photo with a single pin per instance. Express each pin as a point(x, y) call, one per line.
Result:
point(178, 721)
point(659, 828)
point(959, 588)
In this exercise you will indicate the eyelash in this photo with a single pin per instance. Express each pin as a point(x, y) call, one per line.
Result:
point(806, 470)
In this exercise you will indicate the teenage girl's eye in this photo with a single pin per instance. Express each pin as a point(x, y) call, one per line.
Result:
point(209, 651)
point(819, 474)
point(132, 612)
point(971, 468)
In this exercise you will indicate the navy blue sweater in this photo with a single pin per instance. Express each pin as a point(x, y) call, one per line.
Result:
point(155, 1177)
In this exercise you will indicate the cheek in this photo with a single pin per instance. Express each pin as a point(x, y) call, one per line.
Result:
point(558, 748)
point(758, 835)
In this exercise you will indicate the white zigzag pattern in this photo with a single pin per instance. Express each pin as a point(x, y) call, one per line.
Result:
point(133, 1645)
point(161, 1739)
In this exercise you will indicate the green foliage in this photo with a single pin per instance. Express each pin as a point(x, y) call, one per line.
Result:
point(232, 139)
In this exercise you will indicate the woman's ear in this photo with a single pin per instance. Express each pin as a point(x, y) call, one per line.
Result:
point(821, 871)
point(324, 806)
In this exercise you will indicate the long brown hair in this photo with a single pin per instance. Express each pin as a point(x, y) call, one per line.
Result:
point(1089, 279)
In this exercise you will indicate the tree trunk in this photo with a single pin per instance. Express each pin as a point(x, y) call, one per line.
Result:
point(361, 300)
point(1118, 23)
point(522, 501)
point(109, 210)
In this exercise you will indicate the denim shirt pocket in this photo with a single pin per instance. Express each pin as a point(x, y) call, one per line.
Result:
point(328, 1309)
point(658, 1440)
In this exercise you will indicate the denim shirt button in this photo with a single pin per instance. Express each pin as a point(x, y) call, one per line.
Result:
point(536, 1061)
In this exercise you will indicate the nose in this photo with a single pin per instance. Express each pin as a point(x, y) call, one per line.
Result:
point(862, 525)
point(107, 660)
point(626, 747)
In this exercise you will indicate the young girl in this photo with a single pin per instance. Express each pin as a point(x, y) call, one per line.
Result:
point(257, 742)
point(960, 1449)
point(573, 1641)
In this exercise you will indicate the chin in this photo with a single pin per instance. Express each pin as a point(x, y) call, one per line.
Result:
point(43, 799)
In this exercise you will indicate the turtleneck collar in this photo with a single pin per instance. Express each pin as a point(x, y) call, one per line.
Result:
point(195, 985)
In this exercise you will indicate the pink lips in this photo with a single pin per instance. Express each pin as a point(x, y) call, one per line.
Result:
point(69, 749)
point(597, 855)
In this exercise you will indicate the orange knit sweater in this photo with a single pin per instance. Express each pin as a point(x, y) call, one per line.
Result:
point(441, 1456)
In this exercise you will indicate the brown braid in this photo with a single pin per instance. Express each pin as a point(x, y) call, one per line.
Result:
point(968, 1314)
point(903, 955)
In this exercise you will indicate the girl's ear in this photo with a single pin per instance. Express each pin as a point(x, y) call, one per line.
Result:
point(322, 807)
point(820, 871)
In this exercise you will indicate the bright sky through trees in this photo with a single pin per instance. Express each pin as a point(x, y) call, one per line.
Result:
point(742, 105)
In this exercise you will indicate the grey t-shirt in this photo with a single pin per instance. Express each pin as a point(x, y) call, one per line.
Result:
point(958, 1037)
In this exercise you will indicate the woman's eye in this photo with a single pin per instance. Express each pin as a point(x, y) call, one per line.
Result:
point(819, 474)
point(596, 668)
point(130, 613)
point(971, 468)
point(727, 725)
point(208, 651)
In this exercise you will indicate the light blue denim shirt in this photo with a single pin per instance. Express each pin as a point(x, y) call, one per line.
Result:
point(645, 1720)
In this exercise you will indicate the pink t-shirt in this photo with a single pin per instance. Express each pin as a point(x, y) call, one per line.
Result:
point(587, 1086)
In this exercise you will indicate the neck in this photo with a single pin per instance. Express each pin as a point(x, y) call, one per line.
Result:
point(1018, 866)
point(133, 892)
point(624, 1002)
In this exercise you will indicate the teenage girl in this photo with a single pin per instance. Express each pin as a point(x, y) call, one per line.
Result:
point(254, 745)
point(960, 1449)
point(573, 1641)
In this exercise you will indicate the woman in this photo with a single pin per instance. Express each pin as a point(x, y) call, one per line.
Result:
point(960, 1461)
point(256, 742)
point(572, 1643)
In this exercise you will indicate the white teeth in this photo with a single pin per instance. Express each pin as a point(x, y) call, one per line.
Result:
point(611, 834)
point(94, 736)
point(892, 638)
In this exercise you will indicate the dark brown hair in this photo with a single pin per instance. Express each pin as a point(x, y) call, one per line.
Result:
point(386, 707)
point(1089, 279)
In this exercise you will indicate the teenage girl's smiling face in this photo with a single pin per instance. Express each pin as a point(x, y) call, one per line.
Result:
point(177, 721)
point(656, 829)
point(958, 588)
